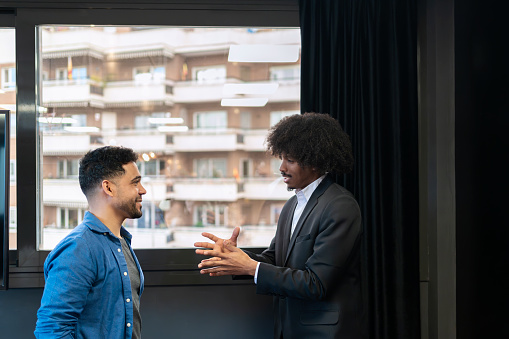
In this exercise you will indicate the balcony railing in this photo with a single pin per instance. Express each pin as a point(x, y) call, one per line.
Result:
point(79, 92)
point(228, 189)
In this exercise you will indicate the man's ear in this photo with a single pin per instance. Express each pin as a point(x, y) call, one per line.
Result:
point(108, 187)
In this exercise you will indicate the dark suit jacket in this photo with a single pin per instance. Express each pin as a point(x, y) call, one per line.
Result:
point(315, 279)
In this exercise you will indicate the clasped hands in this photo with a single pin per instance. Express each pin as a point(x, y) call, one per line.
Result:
point(226, 257)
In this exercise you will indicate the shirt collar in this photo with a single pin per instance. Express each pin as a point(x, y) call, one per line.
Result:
point(96, 225)
point(304, 194)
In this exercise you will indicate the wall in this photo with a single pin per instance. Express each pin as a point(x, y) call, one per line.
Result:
point(229, 312)
point(482, 181)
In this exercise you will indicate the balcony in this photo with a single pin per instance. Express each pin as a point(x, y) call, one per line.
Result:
point(203, 141)
point(207, 189)
point(63, 192)
point(67, 192)
point(266, 189)
point(194, 92)
point(139, 140)
point(78, 143)
point(76, 93)
point(204, 189)
point(65, 143)
point(127, 93)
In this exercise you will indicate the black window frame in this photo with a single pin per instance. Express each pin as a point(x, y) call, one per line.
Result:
point(162, 267)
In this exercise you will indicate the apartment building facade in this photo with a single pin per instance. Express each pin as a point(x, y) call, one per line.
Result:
point(197, 117)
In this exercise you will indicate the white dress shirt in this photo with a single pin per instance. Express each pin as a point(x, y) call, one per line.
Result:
point(303, 196)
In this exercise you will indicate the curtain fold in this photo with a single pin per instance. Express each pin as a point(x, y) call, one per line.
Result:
point(359, 64)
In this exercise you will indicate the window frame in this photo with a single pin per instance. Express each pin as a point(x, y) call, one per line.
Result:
point(162, 267)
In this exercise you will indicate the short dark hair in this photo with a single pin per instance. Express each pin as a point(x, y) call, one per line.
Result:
point(103, 163)
point(313, 140)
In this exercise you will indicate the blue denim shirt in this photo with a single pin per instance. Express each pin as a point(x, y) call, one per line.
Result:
point(88, 291)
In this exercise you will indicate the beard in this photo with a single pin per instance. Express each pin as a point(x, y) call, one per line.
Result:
point(129, 207)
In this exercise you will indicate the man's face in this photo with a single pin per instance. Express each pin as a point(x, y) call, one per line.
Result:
point(295, 176)
point(129, 192)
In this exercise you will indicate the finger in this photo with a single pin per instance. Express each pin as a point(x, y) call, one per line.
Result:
point(204, 244)
point(215, 272)
point(213, 258)
point(230, 246)
point(210, 253)
point(235, 234)
point(210, 236)
point(210, 264)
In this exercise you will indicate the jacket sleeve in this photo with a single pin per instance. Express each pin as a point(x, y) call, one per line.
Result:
point(267, 256)
point(69, 273)
point(322, 258)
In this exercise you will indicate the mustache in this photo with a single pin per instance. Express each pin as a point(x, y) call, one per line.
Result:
point(284, 174)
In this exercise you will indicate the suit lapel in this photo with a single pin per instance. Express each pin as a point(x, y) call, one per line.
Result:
point(313, 200)
point(287, 230)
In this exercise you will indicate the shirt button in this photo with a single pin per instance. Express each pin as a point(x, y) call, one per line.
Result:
point(128, 324)
point(128, 300)
point(118, 249)
point(125, 273)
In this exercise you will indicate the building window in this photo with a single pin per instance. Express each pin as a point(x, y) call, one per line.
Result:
point(151, 167)
point(13, 217)
point(209, 74)
point(67, 168)
point(210, 168)
point(274, 166)
point(278, 115)
point(210, 215)
point(149, 73)
point(9, 77)
point(275, 212)
point(12, 173)
point(212, 120)
point(69, 217)
point(285, 73)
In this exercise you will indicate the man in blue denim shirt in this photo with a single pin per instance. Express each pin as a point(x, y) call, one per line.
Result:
point(93, 279)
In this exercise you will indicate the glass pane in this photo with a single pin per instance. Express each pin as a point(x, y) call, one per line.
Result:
point(160, 91)
point(8, 101)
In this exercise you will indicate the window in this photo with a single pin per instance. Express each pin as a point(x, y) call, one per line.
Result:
point(151, 167)
point(210, 215)
point(175, 196)
point(12, 174)
point(61, 74)
point(285, 73)
point(216, 159)
point(12, 217)
point(210, 74)
point(8, 101)
point(67, 218)
point(9, 77)
point(210, 168)
point(67, 168)
point(212, 120)
point(148, 73)
point(276, 116)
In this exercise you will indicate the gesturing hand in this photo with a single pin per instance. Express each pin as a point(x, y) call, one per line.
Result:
point(218, 245)
point(230, 260)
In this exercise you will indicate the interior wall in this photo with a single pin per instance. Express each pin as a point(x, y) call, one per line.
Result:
point(482, 181)
point(228, 312)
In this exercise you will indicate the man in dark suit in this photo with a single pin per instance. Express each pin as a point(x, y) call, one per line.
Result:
point(312, 266)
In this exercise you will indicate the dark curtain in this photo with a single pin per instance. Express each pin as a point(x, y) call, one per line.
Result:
point(359, 64)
